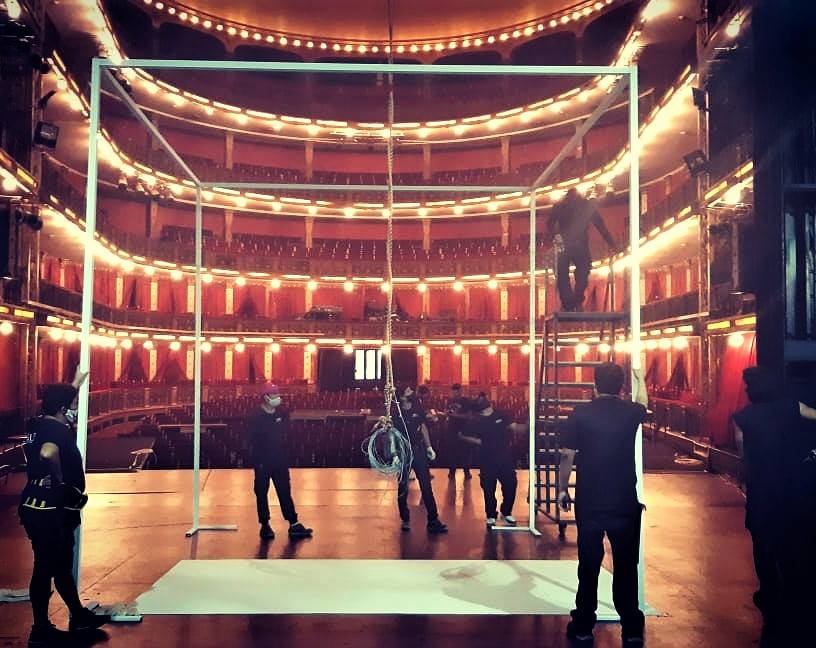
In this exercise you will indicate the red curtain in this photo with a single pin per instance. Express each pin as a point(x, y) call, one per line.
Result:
point(70, 363)
point(213, 299)
point(446, 368)
point(170, 370)
point(730, 389)
point(518, 302)
point(287, 365)
point(484, 368)
point(133, 369)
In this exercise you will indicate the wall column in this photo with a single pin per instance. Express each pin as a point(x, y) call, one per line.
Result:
point(505, 154)
point(229, 217)
point(504, 366)
point(154, 231)
point(309, 234)
point(229, 148)
point(505, 229)
point(309, 158)
point(426, 162)
point(426, 235)
point(465, 366)
point(504, 303)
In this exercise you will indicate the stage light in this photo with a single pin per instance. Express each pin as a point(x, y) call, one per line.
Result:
point(175, 345)
point(733, 28)
point(206, 347)
point(6, 328)
point(664, 344)
point(46, 134)
point(680, 343)
point(736, 340)
point(206, 278)
point(149, 270)
point(348, 349)
point(651, 345)
point(274, 347)
point(697, 162)
point(493, 284)
point(275, 283)
point(175, 275)
point(525, 349)
point(458, 286)
point(733, 196)
point(55, 334)
point(348, 286)
point(311, 285)
point(457, 349)
point(240, 282)
point(9, 184)
point(422, 287)
point(385, 286)
point(148, 345)
point(240, 347)
point(385, 349)
point(421, 350)
point(582, 348)
point(604, 348)
point(126, 344)
point(311, 348)
point(492, 349)
point(13, 9)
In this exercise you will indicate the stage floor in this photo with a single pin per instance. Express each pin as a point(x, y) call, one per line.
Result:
point(698, 559)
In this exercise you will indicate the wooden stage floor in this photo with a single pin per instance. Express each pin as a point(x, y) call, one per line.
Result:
point(698, 558)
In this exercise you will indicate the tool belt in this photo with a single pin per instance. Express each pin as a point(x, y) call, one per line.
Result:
point(42, 495)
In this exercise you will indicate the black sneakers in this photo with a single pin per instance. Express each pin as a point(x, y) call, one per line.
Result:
point(576, 633)
point(47, 635)
point(87, 620)
point(436, 526)
point(406, 525)
point(297, 530)
point(266, 532)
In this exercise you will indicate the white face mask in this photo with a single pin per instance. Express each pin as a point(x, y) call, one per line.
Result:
point(273, 401)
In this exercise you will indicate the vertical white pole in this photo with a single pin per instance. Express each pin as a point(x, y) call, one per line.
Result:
point(197, 367)
point(87, 289)
point(531, 366)
point(634, 291)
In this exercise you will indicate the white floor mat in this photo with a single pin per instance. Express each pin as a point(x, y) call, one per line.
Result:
point(427, 587)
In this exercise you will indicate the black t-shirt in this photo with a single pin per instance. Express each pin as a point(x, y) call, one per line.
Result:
point(776, 443)
point(572, 218)
point(42, 430)
point(267, 436)
point(497, 447)
point(603, 432)
point(410, 423)
point(457, 414)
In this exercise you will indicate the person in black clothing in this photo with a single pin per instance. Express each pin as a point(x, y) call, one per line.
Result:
point(779, 502)
point(409, 419)
point(602, 433)
point(491, 431)
point(267, 428)
point(49, 510)
point(458, 416)
point(568, 226)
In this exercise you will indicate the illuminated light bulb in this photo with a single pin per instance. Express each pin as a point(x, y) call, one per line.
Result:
point(651, 345)
point(421, 350)
point(733, 196)
point(525, 349)
point(336, 47)
point(206, 347)
point(175, 275)
point(576, 15)
point(528, 31)
point(457, 349)
point(183, 15)
point(126, 344)
point(733, 28)
point(276, 206)
point(564, 19)
point(553, 23)
point(312, 210)
point(207, 24)
point(275, 283)
point(493, 124)
point(493, 284)
point(241, 202)
point(149, 270)
point(466, 43)
point(348, 212)
point(385, 286)
point(194, 19)
point(459, 129)
point(274, 347)
point(386, 212)
point(311, 348)
point(9, 184)
point(313, 129)
point(680, 343)
point(270, 38)
point(422, 212)
point(604, 348)
point(664, 344)
point(458, 210)
point(310, 44)
point(516, 34)
point(241, 119)
point(598, 6)
point(458, 286)
point(70, 337)
point(55, 334)
point(127, 266)
point(385, 349)
point(311, 285)
point(276, 125)
point(503, 37)
point(240, 347)
point(362, 49)
point(206, 278)
point(439, 47)
point(6, 328)
point(323, 46)
point(492, 206)
point(400, 49)
point(375, 49)
point(348, 349)
point(171, 10)
point(540, 26)
point(422, 287)
point(582, 348)
point(240, 281)
point(175, 345)
point(736, 340)
point(148, 345)
point(348, 286)
point(491, 39)
point(283, 40)
point(452, 45)
point(492, 349)
point(423, 133)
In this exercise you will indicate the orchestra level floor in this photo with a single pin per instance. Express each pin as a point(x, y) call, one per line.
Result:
point(698, 558)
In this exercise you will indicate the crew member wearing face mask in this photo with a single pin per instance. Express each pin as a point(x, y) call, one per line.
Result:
point(49, 510)
point(267, 428)
point(491, 431)
point(410, 420)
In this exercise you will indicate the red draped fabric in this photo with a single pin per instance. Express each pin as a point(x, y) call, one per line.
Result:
point(484, 368)
point(286, 303)
point(446, 368)
point(484, 304)
point(731, 396)
point(47, 363)
point(410, 299)
point(102, 366)
point(518, 302)
point(133, 368)
point(170, 367)
point(447, 304)
point(287, 365)
point(655, 286)
point(70, 363)
point(214, 299)
point(517, 367)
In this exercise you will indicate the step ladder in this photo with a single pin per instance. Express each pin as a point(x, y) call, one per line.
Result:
point(558, 397)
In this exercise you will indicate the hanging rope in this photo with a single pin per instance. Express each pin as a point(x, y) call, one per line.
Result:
point(388, 449)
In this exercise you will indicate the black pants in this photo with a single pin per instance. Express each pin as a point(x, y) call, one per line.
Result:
point(461, 453)
point(423, 475)
point(52, 539)
point(283, 487)
point(623, 532)
point(506, 476)
point(768, 565)
point(572, 297)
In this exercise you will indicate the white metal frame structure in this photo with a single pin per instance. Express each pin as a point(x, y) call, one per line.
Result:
point(626, 76)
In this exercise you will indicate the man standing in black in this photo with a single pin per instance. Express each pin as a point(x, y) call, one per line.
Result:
point(49, 510)
point(458, 415)
point(779, 503)
point(568, 226)
point(492, 431)
point(267, 428)
point(409, 419)
point(602, 433)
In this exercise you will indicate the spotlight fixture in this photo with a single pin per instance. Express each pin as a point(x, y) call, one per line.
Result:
point(46, 134)
point(31, 219)
point(697, 162)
